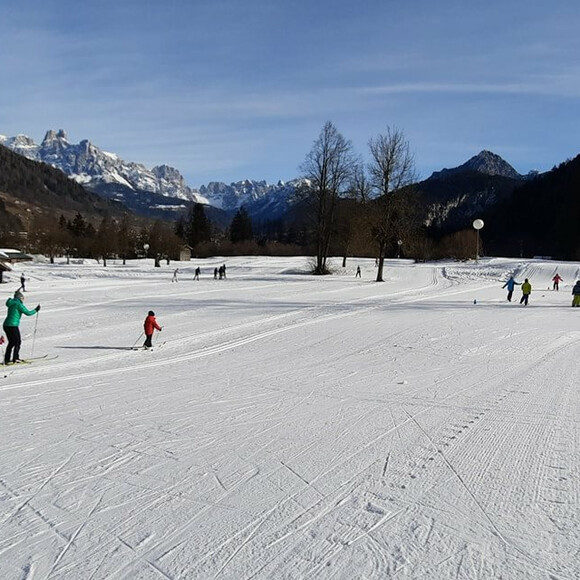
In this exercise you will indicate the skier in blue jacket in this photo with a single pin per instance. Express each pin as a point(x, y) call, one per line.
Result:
point(510, 285)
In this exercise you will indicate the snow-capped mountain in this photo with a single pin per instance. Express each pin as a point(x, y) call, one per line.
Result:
point(231, 197)
point(97, 169)
point(160, 189)
point(261, 199)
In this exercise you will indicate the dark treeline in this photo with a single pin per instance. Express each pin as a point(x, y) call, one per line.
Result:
point(540, 218)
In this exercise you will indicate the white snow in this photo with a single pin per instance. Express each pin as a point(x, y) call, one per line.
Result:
point(290, 426)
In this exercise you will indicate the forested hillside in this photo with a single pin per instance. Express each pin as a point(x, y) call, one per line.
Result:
point(38, 187)
point(541, 217)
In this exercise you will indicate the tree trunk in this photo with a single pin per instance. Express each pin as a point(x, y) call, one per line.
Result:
point(381, 263)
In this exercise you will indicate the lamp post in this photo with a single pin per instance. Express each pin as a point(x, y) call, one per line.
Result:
point(146, 249)
point(399, 244)
point(477, 225)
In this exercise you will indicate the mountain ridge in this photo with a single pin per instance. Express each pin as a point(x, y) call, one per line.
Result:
point(163, 192)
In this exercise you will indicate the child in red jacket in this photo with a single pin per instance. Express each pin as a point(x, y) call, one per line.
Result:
point(150, 325)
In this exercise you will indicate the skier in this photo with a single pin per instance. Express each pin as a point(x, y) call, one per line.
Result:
point(150, 325)
point(197, 273)
point(358, 274)
point(526, 291)
point(22, 282)
point(557, 279)
point(16, 309)
point(175, 272)
point(510, 285)
point(215, 273)
point(576, 294)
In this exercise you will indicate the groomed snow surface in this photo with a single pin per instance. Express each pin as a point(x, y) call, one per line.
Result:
point(293, 427)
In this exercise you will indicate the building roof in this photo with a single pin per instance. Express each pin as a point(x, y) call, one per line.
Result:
point(12, 255)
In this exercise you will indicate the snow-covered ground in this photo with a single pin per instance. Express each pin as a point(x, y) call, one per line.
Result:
point(293, 427)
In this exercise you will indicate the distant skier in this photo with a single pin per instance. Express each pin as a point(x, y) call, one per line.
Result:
point(526, 291)
point(22, 283)
point(576, 294)
point(150, 325)
point(358, 274)
point(510, 285)
point(215, 273)
point(224, 271)
point(557, 279)
point(16, 309)
point(175, 272)
point(197, 273)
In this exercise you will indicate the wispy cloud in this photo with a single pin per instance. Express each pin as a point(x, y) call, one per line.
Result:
point(228, 90)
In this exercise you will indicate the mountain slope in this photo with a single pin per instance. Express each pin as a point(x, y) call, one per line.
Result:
point(38, 187)
point(454, 197)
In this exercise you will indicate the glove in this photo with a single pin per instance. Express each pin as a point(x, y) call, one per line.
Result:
point(161, 329)
point(37, 308)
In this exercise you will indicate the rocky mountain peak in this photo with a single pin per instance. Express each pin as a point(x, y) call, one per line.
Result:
point(484, 162)
point(167, 172)
point(52, 135)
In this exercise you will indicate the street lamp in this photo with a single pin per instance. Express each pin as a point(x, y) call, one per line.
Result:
point(399, 244)
point(477, 225)
point(146, 249)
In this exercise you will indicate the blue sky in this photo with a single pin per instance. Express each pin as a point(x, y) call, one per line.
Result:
point(226, 90)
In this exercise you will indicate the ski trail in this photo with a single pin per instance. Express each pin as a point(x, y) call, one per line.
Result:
point(496, 531)
point(73, 538)
point(44, 483)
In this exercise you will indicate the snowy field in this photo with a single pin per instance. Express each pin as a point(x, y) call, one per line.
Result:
point(293, 427)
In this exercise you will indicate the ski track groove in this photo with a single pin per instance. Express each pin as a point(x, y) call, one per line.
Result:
point(228, 345)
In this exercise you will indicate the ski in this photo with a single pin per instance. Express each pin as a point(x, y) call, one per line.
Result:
point(28, 361)
point(154, 347)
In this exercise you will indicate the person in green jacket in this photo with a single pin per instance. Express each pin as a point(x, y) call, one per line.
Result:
point(16, 309)
point(526, 291)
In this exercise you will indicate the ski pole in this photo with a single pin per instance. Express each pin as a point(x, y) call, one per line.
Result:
point(34, 335)
point(138, 339)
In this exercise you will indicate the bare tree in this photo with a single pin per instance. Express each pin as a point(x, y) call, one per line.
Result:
point(392, 167)
point(327, 170)
point(360, 187)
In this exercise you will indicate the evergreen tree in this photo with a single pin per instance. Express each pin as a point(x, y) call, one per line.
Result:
point(78, 226)
point(199, 227)
point(180, 228)
point(241, 227)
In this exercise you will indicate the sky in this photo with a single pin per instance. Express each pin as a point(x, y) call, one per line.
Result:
point(225, 90)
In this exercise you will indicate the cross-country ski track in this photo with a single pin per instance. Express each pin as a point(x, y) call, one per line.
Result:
point(287, 426)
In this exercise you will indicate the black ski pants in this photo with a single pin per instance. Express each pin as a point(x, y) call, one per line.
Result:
point(14, 342)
